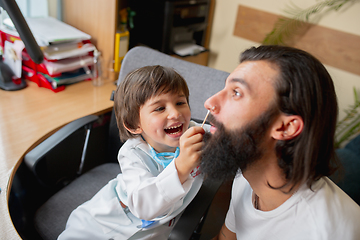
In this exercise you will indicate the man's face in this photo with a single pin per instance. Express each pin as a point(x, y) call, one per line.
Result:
point(248, 92)
point(241, 119)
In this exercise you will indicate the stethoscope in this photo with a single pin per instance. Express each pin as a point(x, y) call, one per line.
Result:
point(166, 157)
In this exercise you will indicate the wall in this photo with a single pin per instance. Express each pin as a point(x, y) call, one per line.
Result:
point(226, 48)
point(53, 8)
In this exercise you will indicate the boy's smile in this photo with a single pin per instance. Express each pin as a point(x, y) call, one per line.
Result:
point(163, 119)
point(173, 130)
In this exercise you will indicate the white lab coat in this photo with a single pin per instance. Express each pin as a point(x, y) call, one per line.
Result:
point(149, 191)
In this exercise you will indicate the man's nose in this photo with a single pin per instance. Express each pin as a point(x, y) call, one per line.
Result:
point(213, 103)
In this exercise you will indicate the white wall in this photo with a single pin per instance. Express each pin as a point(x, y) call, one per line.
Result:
point(226, 48)
point(53, 7)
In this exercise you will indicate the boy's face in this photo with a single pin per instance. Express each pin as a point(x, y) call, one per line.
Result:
point(163, 119)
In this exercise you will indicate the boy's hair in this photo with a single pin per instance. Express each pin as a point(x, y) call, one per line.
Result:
point(139, 86)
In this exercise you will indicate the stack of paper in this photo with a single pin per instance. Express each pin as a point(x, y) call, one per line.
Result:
point(68, 52)
point(49, 30)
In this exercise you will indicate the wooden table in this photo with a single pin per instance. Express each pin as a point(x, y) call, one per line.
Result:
point(30, 115)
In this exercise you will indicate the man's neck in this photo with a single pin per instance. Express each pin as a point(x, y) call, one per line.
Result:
point(265, 178)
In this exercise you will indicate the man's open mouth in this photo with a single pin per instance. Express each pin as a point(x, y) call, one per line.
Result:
point(213, 128)
point(174, 129)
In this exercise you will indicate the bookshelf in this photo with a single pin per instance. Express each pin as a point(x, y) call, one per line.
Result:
point(99, 18)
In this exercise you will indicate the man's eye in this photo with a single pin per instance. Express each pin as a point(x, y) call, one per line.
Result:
point(237, 94)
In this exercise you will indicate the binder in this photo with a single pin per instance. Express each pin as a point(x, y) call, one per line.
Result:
point(121, 48)
point(46, 73)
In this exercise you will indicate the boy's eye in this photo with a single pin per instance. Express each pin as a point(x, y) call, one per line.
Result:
point(159, 109)
point(180, 103)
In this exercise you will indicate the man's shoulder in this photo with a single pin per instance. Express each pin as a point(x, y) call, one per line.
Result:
point(327, 192)
point(330, 206)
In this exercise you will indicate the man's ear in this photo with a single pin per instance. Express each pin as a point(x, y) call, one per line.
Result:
point(287, 127)
point(133, 131)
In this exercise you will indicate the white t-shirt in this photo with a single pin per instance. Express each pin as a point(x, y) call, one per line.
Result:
point(325, 212)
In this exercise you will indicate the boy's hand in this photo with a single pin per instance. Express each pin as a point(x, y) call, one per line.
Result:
point(190, 150)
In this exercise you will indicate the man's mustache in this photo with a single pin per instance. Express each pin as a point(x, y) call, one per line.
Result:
point(211, 119)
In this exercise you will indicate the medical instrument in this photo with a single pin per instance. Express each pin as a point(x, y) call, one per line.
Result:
point(207, 115)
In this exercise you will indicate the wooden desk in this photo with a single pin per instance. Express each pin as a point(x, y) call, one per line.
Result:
point(30, 115)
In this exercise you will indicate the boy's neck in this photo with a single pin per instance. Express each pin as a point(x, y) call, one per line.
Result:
point(158, 149)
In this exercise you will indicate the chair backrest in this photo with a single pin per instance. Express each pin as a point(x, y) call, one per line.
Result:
point(202, 81)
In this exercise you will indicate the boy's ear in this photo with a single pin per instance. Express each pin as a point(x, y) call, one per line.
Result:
point(287, 127)
point(133, 131)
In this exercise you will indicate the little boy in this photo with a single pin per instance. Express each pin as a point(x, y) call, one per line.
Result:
point(157, 161)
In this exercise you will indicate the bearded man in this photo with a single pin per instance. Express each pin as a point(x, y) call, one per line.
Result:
point(273, 128)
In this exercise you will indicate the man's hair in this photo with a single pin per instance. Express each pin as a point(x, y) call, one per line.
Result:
point(304, 88)
point(139, 86)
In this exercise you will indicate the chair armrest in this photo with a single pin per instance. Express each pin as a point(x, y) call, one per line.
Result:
point(32, 158)
point(196, 211)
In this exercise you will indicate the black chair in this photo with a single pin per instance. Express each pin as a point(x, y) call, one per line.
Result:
point(70, 166)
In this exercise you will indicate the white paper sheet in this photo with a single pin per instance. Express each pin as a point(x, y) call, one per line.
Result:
point(187, 49)
point(51, 30)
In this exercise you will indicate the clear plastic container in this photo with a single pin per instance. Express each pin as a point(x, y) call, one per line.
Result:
point(97, 71)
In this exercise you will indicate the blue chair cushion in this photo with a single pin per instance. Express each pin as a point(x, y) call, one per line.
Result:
point(349, 179)
point(354, 145)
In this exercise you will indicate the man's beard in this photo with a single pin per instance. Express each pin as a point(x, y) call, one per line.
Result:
point(228, 151)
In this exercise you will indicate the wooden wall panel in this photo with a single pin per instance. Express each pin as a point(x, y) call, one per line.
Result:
point(335, 48)
point(97, 18)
